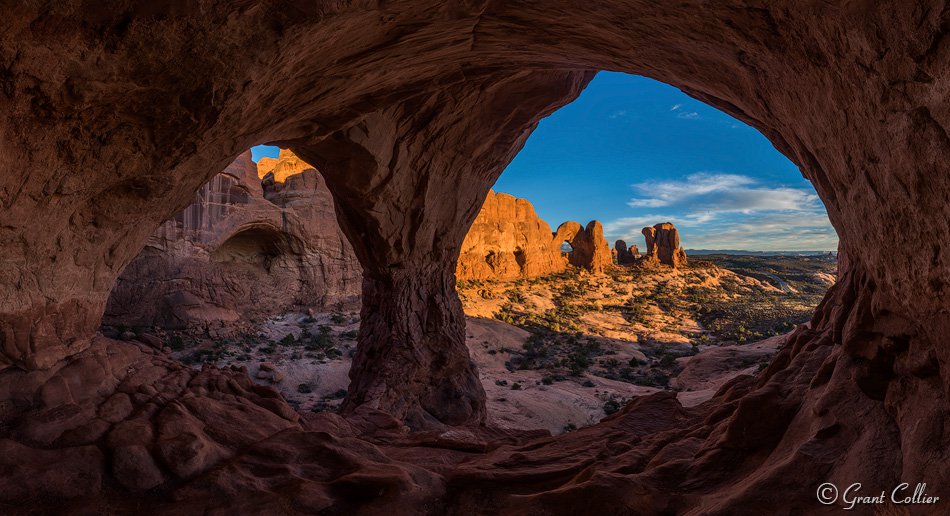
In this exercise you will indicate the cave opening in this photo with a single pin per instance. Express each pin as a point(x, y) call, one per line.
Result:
point(605, 324)
point(410, 120)
point(612, 332)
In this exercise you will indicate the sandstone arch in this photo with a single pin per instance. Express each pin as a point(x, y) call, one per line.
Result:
point(410, 110)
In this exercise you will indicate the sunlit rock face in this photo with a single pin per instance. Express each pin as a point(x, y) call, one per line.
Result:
point(508, 240)
point(240, 251)
point(287, 164)
point(663, 245)
point(114, 117)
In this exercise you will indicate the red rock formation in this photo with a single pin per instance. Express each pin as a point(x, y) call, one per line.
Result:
point(663, 245)
point(240, 252)
point(626, 255)
point(590, 249)
point(115, 116)
point(508, 241)
point(287, 164)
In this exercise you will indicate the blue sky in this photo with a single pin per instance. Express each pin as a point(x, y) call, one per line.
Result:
point(632, 152)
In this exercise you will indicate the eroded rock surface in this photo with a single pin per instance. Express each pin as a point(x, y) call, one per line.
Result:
point(287, 164)
point(663, 245)
point(240, 251)
point(589, 248)
point(508, 240)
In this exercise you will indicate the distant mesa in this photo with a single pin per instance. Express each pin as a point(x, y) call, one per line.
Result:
point(663, 245)
point(509, 241)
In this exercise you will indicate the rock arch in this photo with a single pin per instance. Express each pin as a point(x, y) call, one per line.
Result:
point(412, 109)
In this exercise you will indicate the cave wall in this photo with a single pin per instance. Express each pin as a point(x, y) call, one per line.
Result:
point(114, 117)
point(241, 251)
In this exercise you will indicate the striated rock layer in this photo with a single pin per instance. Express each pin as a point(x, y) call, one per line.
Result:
point(248, 248)
point(241, 251)
point(508, 240)
point(114, 117)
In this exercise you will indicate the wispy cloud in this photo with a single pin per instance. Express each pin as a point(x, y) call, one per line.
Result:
point(675, 107)
point(618, 114)
point(688, 115)
point(730, 211)
point(721, 193)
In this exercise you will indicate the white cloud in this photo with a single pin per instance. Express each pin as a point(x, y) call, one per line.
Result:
point(618, 114)
point(665, 193)
point(675, 107)
point(688, 115)
point(721, 193)
point(730, 211)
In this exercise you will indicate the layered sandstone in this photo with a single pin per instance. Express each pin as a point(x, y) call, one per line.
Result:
point(241, 251)
point(508, 240)
point(589, 248)
point(663, 245)
point(247, 249)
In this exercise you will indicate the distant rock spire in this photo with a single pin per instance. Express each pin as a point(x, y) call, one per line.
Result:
point(663, 245)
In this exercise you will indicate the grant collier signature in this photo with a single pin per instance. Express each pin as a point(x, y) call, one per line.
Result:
point(828, 494)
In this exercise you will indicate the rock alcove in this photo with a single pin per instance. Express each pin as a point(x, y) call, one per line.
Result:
point(410, 110)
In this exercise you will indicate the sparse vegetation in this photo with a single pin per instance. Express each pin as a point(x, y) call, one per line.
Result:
point(761, 297)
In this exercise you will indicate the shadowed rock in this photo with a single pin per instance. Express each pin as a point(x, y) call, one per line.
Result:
point(626, 255)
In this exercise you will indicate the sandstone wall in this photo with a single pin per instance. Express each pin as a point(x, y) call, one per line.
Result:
point(509, 241)
point(241, 251)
